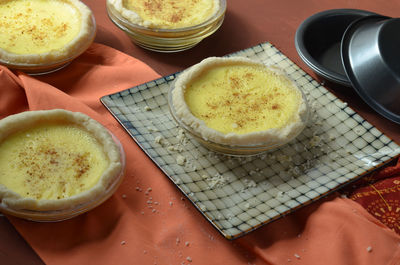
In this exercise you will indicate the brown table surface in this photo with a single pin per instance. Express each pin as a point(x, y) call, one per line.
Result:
point(246, 24)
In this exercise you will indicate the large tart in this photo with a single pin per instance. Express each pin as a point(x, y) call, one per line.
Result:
point(54, 160)
point(166, 14)
point(236, 101)
point(43, 31)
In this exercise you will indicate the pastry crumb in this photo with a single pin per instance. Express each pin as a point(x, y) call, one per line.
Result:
point(315, 141)
point(180, 160)
point(217, 181)
point(177, 181)
point(369, 249)
point(158, 139)
point(181, 137)
point(203, 207)
point(250, 183)
point(123, 242)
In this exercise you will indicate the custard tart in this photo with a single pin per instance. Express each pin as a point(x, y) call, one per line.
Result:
point(53, 160)
point(238, 102)
point(42, 35)
point(166, 14)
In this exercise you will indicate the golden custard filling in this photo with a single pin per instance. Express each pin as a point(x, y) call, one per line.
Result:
point(242, 99)
point(52, 24)
point(51, 161)
point(236, 101)
point(166, 14)
point(55, 159)
point(43, 31)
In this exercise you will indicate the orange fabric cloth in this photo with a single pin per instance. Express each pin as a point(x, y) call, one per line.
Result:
point(126, 231)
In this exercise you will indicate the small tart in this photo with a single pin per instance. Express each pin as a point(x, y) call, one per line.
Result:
point(54, 160)
point(236, 101)
point(44, 31)
point(166, 14)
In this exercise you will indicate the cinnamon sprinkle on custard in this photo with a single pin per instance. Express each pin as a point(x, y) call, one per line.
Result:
point(167, 14)
point(235, 100)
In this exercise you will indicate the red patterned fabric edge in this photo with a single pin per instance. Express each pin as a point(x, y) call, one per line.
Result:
point(379, 194)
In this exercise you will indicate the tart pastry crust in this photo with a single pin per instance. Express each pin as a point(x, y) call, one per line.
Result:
point(29, 119)
point(74, 47)
point(271, 136)
point(167, 14)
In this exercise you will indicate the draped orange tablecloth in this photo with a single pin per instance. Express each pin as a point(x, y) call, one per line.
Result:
point(124, 230)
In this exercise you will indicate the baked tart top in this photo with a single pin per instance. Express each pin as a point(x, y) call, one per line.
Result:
point(166, 14)
point(44, 31)
point(237, 101)
point(55, 159)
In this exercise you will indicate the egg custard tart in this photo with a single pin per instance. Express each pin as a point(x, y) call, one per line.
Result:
point(55, 159)
point(43, 33)
point(166, 14)
point(238, 102)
